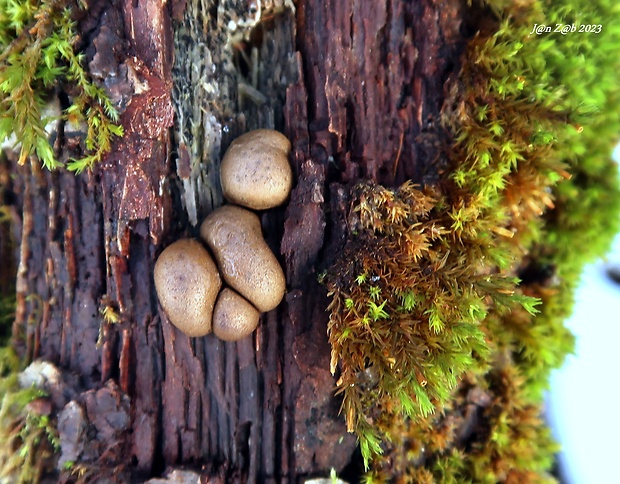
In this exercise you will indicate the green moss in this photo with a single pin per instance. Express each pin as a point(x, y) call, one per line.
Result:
point(408, 297)
point(426, 301)
point(37, 39)
point(516, 446)
point(574, 74)
point(29, 440)
point(509, 444)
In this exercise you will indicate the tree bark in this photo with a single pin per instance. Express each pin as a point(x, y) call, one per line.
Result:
point(356, 85)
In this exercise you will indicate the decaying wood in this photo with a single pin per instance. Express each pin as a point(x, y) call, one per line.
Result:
point(356, 85)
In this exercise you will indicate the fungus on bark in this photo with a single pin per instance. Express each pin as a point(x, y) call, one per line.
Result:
point(255, 171)
point(234, 317)
point(187, 283)
point(247, 264)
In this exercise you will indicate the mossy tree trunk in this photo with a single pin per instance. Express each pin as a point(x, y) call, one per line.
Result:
point(357, 86)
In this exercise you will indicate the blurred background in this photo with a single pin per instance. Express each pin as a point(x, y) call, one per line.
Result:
point(584, 395)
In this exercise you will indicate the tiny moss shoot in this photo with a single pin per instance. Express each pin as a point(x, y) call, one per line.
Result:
point(37, 42)
point(451, 299)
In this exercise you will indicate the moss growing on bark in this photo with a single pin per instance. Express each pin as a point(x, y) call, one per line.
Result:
point(408, 298)
point(441, 356)
point(38, 53)
point(29, 438)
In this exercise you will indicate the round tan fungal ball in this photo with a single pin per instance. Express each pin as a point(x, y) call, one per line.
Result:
point(245, 261)
point(255, 171)
point(233, 317)
point(187, 283)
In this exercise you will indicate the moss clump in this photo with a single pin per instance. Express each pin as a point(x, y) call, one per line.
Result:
point(587, 206)
point(427, 304)
point(29, 440)
point(408, 297)
point(37, 40)
point(489, 432)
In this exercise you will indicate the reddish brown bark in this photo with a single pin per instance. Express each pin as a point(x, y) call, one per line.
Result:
point(364, 103)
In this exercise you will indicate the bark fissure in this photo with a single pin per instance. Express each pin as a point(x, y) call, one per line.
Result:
point(356, 86)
